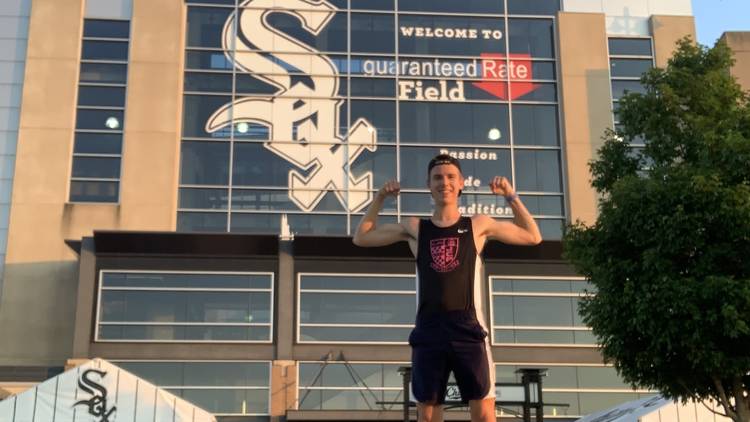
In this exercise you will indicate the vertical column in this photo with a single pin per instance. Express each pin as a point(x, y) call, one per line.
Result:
point(667, 30)
point(283, 388)
point(586, 103)
point(739, 42)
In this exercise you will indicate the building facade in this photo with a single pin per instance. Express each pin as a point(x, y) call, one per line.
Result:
point(188, 173)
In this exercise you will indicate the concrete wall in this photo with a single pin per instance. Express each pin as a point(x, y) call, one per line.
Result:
point(739, 42)
point(666, 31)
point(586, 103)
point(629, 17)
point(14, 30)
point(41, 271)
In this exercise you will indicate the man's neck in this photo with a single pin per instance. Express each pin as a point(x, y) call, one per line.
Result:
point(445, 215)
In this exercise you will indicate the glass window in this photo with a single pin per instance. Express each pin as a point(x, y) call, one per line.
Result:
point(478, 165)
point(543, 70)
point(380, 114)
point(551, 229)
point(536, 311)
point(192, 198)
point(535, 125)
point(189, 306)
point(538, 171)
point(219, 387)
point(543, 205)
point(102, 28)
point(569, 378)
point(381, 163)
point(104, 73)
point(466, 6)
point(204, 163)
point(532, 36)
point(357, 308)
point(263, 200)
point(232, 402)
point(182, 333)
point(620, 88)
point(104, 96)
point(331, 312)
point(255, 165)
point(535, 92)
point(211, 60)
point(208, 82)
point(550, 316)
point(372, 33)
point(373, 87)
point(99, 119)
point(356, 386)
point(205, 26)
point(629, 67)
point(629, 46)
point(333, 37)
point(88, 191)
point(425, 122)
point(358, 282)
point(255, 223)
point(197, 110)
point(533, 7)
point(202, 313)
point(97, 143)
point(105, 50)
point(201, 222)
point(447, 35)
point(366, 4)
point(317, 224)
point(186, 280)
point(96, 167)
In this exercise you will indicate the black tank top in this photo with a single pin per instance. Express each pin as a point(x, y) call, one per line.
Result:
point(446, 264)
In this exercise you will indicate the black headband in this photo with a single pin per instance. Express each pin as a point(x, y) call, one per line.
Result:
point(441, 160)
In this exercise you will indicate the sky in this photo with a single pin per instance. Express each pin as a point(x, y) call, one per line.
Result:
point(713, 17)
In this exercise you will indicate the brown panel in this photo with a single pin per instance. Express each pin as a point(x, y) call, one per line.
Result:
point(667, 30)
point(739, 42)
point(586, 103)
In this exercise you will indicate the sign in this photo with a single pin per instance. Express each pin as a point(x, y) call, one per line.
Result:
point(302, 116)
point(99, 391)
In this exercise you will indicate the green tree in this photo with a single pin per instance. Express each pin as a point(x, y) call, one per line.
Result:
point(669, 254)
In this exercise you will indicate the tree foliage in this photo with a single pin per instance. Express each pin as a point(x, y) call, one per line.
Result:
point(669, 254)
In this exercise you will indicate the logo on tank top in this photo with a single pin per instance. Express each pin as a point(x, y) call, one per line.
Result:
point(444, 252)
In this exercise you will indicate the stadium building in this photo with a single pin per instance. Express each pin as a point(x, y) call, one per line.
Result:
point(180, 179)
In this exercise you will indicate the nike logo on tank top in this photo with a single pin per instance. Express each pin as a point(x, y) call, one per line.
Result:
point(446, 260)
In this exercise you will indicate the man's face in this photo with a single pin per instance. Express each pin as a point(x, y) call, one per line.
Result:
point(445, 182)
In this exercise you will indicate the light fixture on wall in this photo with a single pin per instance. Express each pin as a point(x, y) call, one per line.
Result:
point(494, 134)
point(243, 127)
point(112, 122)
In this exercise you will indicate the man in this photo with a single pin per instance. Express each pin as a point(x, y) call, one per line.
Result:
point(449, 333)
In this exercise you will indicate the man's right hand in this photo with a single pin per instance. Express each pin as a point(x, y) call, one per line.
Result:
point(390, 188)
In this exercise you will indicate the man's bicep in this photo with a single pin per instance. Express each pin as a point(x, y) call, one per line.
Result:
point(385, 234)
point(506, 232)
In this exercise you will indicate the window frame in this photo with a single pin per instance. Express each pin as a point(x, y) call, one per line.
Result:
point(100, 288)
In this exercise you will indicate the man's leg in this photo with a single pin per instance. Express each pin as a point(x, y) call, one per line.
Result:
point(428, 412)
point(482, 410)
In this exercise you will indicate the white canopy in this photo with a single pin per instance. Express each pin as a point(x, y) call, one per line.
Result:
point(657, 409)
point(99, 391)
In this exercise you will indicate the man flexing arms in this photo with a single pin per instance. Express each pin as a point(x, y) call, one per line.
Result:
point(450, 333)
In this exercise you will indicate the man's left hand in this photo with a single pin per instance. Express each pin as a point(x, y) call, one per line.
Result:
point(501, 186)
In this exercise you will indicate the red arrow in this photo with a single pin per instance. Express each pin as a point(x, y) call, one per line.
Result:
point(496, 71)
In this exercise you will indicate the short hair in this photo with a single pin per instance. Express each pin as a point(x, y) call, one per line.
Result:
point(441, 159)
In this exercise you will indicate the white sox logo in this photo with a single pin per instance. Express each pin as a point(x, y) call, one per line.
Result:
point(302, 118)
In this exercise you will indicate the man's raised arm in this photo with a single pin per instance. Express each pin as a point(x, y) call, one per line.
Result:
point(369, 233)
point(523, 230)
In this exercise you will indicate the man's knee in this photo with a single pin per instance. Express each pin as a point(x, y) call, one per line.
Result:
point(429, 412)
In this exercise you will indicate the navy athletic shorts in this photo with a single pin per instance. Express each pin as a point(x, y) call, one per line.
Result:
point(452, 341)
